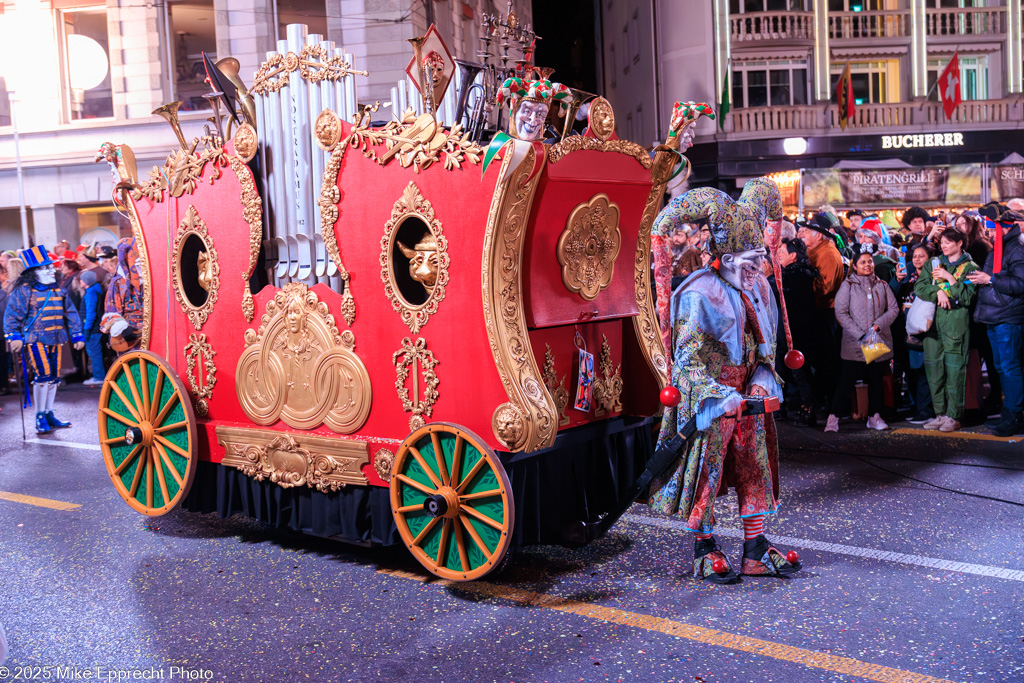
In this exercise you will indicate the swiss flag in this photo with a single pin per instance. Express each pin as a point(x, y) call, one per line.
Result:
point(949, 86)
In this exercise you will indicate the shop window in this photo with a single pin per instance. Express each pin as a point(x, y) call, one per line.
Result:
point(763, 83)
point(193, 31)
point(312, 14)
point(87, 90)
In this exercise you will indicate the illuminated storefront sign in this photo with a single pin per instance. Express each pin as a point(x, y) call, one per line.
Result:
point(924, 140)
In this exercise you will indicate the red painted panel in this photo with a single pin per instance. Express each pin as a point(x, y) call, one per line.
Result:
point(575, 180)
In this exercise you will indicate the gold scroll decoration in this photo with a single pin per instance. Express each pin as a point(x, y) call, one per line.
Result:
point(122, 191)
point(180, 172)
point(416, 361)
point(608, 387)
point(589, 245)
point(199, 353)
point(504, 314)
point(293, 460)
point(575, 143)
point(313, 62)
point(298, 369)
point(252, 212)
point(556, 386)
point(207, 266)
point(428, 266)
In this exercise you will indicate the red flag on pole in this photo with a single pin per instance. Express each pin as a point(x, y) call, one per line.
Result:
point(844, 97)
point(949, 86)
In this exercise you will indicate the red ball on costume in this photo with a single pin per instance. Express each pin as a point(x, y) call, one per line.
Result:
point(794, 359)
point(719, 567)
point(670, 397)
point(792, 557)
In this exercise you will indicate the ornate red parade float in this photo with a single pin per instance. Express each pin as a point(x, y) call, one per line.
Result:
point(374, 340)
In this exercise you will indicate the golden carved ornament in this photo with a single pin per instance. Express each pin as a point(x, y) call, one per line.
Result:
point(207, 267)
point(383, 461)
point(122, 190)
point(509, 426)
point(575, 143)
point(608, 387)
point(180, 173)
point(645, 323)
point(246, 142)
point(414, 360)
point(314, 64)
point(199, 353)
point(327, 130)
point(556, 386)
point(252, 212)
point(589, 245)
point(428, 260)
point(417, 142)
point(299, 369)
point(504, 314)
point(601, 119)
point(328, 201)
point(293, 460)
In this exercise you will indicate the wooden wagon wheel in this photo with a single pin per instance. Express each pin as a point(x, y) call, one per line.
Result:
point(147, 433)
point(452, 501)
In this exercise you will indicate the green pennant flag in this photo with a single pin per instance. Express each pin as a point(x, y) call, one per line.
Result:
point(723, 106)
point(497, 142)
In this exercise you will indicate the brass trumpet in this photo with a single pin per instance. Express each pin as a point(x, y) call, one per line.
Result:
point(229, 66)
point(579, 98)
point(169, 112)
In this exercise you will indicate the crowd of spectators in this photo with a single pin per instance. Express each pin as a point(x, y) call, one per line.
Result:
point(99, 280)
point(849, 282)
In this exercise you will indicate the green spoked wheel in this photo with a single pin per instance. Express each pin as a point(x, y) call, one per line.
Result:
point(452, 501)
point(147, 433)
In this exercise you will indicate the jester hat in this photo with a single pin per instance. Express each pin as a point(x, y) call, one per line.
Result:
point(735, 225)
point(515, 90)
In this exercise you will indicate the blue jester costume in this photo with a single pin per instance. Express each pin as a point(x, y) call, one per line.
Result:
point(41, 318)
point(720, 326)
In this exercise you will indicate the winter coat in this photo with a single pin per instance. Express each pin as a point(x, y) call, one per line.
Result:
point(863, 301)
point(1003, 300)
point(954, 323)
point(92, 309)
point(829, 263)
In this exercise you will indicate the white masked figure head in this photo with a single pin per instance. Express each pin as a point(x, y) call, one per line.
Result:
point(529, 103)
point(740, 269)
point(46, 275)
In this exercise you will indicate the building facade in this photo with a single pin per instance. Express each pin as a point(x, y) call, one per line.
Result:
point(77, 73)
point(776, 64)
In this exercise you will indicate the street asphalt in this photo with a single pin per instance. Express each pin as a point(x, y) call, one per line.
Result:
point(911, 545)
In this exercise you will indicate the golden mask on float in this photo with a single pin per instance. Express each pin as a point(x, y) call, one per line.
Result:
point(424, 261)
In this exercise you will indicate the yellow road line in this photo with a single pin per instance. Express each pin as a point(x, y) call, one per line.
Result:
point(732, 641)
point(957, 435)
point(38, 502)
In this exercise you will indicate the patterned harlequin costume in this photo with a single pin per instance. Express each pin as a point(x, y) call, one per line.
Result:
point(40, 318)
point(722, 342)
point(124, 294)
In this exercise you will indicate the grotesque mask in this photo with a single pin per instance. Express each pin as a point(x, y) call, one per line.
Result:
point(741, 268)
point(529, 119)
point(205, 265)
point(433, 65)
point(423, 261)
point(46, 275)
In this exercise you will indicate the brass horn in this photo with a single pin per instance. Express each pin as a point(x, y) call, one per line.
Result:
point(579, 98)
point(170, 112)
point(468, 72)
point(230, 67)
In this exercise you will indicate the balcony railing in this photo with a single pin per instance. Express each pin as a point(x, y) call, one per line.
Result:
point(876, 24)
point(772, 26)
point(909, 116)
point(966, 21)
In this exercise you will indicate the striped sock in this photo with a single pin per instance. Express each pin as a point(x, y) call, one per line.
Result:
point(753, 527)
point(701, 537)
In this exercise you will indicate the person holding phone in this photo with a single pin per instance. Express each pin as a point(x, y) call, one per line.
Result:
point(944, 282)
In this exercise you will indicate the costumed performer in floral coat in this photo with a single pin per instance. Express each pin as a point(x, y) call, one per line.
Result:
point(722, 344)
point(41, 318)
